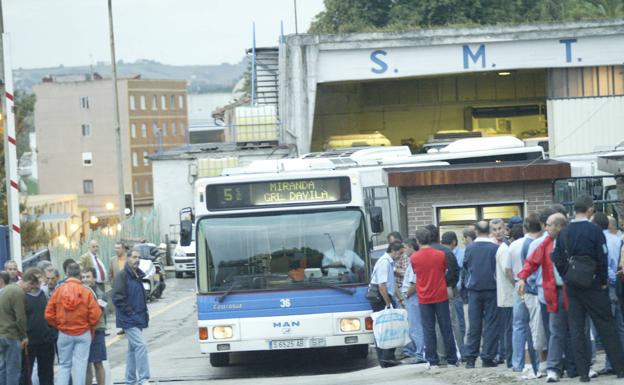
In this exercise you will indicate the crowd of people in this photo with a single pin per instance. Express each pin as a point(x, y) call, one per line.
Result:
point(535, 294)
point(43, 319)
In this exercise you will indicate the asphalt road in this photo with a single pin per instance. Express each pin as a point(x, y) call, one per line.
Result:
point(175, 358)
point(174, 351)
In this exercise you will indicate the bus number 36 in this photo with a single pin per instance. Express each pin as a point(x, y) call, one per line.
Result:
point(285, 302)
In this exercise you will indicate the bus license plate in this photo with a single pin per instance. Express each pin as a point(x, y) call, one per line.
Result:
point(286, 344)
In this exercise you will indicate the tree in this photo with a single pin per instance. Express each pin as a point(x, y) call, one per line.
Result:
point(34, 234)
point(608, 8)
point(342, 16)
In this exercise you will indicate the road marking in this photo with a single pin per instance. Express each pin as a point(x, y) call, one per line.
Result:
point(117, 338)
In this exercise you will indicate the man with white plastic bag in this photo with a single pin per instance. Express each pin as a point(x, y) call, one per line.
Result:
point(381, 294)
point(430, 267)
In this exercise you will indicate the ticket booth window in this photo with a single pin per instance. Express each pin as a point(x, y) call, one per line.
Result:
point(456, 218)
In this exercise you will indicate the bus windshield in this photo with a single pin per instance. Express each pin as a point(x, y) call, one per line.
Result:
point(277, 251)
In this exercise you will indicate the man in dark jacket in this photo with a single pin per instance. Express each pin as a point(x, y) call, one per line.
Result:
point(41, 337)
point(132, 317)
point(480, 266)
point(583, 238)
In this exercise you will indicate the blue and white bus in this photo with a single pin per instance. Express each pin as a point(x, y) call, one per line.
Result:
point(283, 247)
point(282, 262)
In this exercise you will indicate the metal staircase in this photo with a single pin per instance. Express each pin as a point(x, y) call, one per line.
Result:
point(267, 67)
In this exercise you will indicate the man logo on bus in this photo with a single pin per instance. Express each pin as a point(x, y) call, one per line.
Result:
point(287, 324)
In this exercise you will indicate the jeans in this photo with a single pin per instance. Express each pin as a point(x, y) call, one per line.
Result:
point(619, 319)
point(483, 319)
point(595, 303)
point(137, 364)
point(73, 352)
point(458, 303)
point(505, 320)
point(10, 361)
point(429, 314)
point(540, 343)
point(521, 336)
point(417, 346)
point(459, 339)
point(560, 342)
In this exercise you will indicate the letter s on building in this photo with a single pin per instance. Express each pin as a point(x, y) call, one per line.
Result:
point(383, 66)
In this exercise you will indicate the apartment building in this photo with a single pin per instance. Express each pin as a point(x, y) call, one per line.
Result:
point(75, 124)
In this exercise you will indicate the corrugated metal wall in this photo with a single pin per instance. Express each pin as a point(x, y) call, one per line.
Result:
point(583, 125)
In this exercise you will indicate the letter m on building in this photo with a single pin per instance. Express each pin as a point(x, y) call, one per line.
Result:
point(468, 54)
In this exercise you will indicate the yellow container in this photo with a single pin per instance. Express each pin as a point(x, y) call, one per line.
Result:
point(214, 166)
point(357, 140)
point(256, 124)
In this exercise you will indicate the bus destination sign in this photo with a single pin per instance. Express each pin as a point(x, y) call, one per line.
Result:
point(278, 193)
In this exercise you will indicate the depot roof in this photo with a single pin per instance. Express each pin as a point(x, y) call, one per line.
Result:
point(473, 173)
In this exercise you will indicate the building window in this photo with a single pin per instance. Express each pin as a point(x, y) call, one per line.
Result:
point(143, 102)
point(164, 128)
point(174, 131)
point(87, 159)
point(86, 130)
point(154, 102)
point(132, 103)
point(456, 218)
point(148, 187)
point(182, 131)
point(136, 187)
point(172, 102)
point(163, 102)
point(155, 129)
point(87, 186)
point(133, 130)
point(135, 161)
point(84, 102)
point(144, 130)
point(181, 101)
point(145, 159)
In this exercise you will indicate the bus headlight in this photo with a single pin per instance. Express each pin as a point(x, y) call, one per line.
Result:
point(222, 332)
point(349, 324)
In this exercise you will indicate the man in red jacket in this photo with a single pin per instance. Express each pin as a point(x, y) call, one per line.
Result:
point(556, 301)
point(73, 310)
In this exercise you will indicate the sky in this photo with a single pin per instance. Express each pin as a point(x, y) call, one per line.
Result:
point(48, 33)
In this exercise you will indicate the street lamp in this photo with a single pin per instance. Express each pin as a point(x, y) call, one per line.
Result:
point(110, 206)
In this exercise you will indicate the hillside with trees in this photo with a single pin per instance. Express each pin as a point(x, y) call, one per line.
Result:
point(346, 16)
point(200, 78)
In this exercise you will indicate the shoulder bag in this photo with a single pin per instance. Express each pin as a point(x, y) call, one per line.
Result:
point(373, 294)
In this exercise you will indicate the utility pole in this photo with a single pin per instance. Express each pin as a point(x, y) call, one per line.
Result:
point(120, 178)
point(10, 149)
point(296, 27)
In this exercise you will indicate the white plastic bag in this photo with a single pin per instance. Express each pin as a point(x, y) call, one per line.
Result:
point(390, 328)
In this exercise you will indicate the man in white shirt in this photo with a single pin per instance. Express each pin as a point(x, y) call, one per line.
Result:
point(521, 330)
point(340, 259)
point(504, 292)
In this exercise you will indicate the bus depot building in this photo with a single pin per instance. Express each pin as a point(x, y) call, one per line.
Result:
point(561, 85)
point(458, 195)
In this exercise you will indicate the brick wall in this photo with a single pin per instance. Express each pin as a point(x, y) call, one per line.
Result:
point(421, 200)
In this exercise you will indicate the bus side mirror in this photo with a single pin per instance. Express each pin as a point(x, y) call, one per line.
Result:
point(186, 232)
point(376, 220)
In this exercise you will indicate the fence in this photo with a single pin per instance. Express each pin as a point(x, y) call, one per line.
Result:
point(141, 226)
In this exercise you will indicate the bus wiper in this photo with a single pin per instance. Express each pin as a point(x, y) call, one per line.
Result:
point(227, 292)
point(345, 290)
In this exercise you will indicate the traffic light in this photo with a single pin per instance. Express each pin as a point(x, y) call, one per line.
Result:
point(129, 209)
